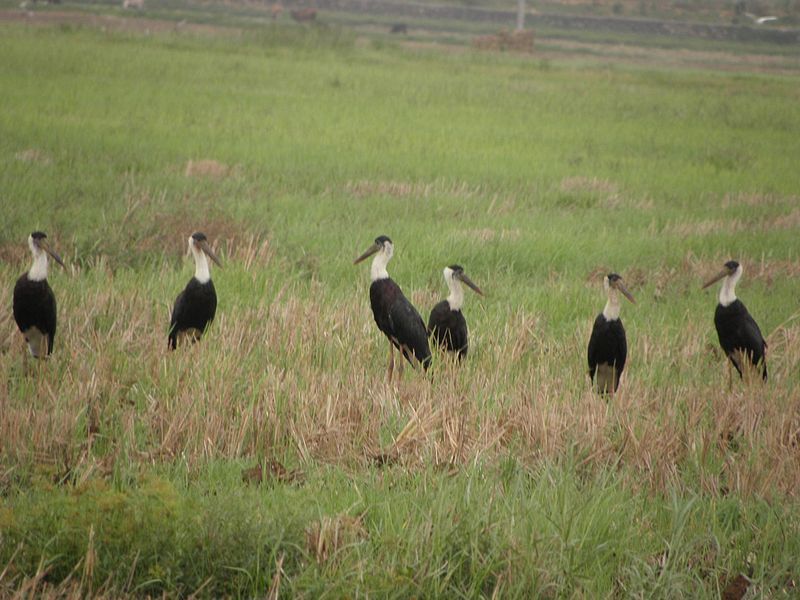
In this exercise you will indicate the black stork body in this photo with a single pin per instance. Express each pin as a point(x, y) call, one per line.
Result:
point(395, 316)
point(608, 347)
point(739, 335)
point(34, 301)
point(196, 305)
point(447, 325)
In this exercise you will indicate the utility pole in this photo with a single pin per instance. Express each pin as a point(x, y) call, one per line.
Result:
point(520, 15)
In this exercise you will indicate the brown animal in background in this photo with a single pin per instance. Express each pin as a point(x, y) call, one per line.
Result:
point(304, 14)
point(276, 10)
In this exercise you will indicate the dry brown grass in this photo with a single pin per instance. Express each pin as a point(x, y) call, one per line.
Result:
point(504, 41)
point(34, 155)
point(207, 167)
point(405, 189)
point(326, 537)
point(306, 376)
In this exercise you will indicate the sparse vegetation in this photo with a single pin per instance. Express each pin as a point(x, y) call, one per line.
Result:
point(272, 458)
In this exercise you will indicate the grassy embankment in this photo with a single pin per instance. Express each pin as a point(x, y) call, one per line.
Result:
point(121, 465)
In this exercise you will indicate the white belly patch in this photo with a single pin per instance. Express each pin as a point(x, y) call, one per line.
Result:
point(37, 342)
point(605, 377)
point(190, 335)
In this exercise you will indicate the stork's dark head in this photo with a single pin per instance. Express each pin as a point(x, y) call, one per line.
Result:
point(382, 244)
point(37, 242)
point(613, 281)
point(729, 269)
point(198, 243)
point(456, 272)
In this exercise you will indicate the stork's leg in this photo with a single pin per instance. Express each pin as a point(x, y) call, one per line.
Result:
point(391, 362)
point(730, 376)
point(401, 365)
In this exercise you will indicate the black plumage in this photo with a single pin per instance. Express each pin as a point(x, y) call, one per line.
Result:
point(608, 345)
point(35, 314)
point(196, 305)
point(446, 324)
point(740, 336)
point(608, 351)
point(34, 304)
point(738, 333)
point(194, 310)
point(448, 328)
point(397, 318)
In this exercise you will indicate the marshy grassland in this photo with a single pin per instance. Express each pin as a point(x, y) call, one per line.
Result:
point(273, 459)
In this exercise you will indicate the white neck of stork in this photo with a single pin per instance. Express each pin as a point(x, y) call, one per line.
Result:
point(378, 269)
point(727, 293)
point(612, 308)
point(456, 297)
point(201, 270)
point(38, 271)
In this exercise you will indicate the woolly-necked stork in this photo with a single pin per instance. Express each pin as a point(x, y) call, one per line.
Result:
point(738, 332)
point(447, 324)
point(608, 347)
point(196, 305)
point(395, 316)
point(34, 301)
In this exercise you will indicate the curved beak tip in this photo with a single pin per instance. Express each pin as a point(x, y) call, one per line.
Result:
point(210, 253)
point(369, 252)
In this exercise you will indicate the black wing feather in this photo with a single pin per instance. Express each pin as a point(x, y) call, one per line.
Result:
point(35, 306)
point(449, 329)
point(607, 345)
point(738, 331)
point(409, 330)
point(194, 308)
point(397, 318)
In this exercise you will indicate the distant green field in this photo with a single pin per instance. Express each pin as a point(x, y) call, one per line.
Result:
point(121, 464)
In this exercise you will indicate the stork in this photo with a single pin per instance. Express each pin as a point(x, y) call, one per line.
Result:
point(608, 347)
point(447, 324)
point(34, 302)
point(196, 305)
point(395, 316)
point(739, 335)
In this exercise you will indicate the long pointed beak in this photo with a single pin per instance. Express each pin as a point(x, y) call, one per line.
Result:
point(625, 292)
point(46, 247)
point(370, 251)
point(716, 278)
point(210, 253)
point(463, 277)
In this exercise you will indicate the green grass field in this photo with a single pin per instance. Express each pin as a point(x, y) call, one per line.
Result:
point(128, 470)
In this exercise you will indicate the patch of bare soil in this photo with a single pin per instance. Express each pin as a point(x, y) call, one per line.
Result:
point(32, 155)
point(207, 168)
point(736, 588)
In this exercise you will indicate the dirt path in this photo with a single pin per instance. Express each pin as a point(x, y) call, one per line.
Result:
point(133, 23)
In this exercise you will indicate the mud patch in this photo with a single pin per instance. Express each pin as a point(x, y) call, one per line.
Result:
point(208, 168)
point(33, 155)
